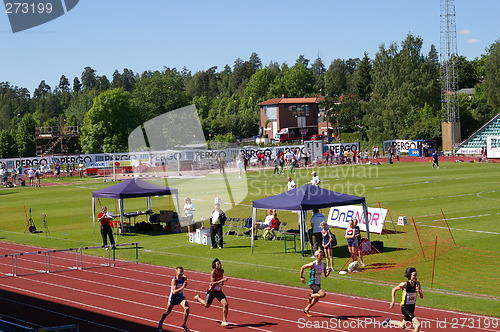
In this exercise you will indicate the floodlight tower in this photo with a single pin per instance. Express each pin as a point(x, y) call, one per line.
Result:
point(449, 77)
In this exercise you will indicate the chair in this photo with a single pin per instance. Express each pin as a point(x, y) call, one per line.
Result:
point(231, 225)
point(282, 229)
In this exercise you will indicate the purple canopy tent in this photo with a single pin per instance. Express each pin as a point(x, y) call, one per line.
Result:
point(132, 188)
point(304, 198)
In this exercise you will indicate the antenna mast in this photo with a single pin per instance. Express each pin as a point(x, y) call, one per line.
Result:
point(449, 77)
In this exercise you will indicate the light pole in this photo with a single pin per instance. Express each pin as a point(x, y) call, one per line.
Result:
point(234, 111)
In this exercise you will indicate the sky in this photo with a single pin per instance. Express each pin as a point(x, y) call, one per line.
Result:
point(152, 34)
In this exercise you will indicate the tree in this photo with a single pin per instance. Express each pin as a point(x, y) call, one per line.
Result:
point(77, 86)
point(25, 136)
point(298, 81)
point(7, 144)
point(79, 104)
point(14, 102)
point(318, 69)
point(243, 71)
point(126, 80)
point(63, 84)
point(42, 90)
point(492, 76)
point(337, 78)
point(102, 83)
point(89, 80)
point(258, 86)
point(108, 123)
point(159, 93)
point(362, 79)
point(467, 77)
point(203, 83)
point(403, 85)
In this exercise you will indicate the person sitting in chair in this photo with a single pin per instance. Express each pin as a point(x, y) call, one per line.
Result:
point(275, 225)
point(262, 225)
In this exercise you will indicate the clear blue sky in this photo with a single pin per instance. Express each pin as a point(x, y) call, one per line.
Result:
point(152, 34)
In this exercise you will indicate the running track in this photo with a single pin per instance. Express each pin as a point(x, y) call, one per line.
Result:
point(132, 297)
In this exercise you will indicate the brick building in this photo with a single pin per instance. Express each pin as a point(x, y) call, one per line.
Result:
point(297, 118)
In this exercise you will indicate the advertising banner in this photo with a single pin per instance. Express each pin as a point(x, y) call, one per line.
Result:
point(339, 217)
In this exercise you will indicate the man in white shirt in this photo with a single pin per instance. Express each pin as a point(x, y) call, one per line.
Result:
point(31, 175)
point(262, 224)
point(290, 184)
point(315, 181)
point(189, 213)
point(217, 220)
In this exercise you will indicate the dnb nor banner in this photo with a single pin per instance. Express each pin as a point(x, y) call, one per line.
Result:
point(339, 217)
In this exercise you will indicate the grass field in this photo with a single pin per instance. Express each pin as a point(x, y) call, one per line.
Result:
point(465, 268)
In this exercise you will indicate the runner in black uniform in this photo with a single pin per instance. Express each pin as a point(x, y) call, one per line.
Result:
point(410, 290)
point(178, 284)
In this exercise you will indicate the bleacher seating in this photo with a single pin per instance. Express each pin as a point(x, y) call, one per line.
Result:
point(478, 139)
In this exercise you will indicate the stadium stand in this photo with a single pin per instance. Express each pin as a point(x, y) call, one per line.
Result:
point(478, 139)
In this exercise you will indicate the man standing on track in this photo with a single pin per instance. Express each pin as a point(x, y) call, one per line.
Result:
point(217, 280)
point(178, 284)
point(316, 268)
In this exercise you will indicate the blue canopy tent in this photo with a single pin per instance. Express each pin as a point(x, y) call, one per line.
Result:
point(132, 188)
point(304, 198)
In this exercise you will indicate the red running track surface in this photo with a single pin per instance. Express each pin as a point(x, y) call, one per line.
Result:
point(132, 297)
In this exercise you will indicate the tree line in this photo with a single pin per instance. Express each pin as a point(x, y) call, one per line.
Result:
point(396, 94)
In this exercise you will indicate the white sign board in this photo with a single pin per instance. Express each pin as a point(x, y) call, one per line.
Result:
point(401, 145)
point(340, 216)
point(493, 146)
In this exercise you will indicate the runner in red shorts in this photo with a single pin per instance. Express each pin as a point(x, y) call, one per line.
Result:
point(217, 280)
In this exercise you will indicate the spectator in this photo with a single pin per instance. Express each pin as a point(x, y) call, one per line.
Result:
point(189, 213)
point(352, 245)
point(262, 225)
point(315, 181)
point(13, 176)
point(217, 199)
point(293, 165)
point(276, 164)
point(290, 184)
point(274, 226)
point(357, 232)
point(31, 176)
point(328, 243)
point(3, 176)
point(105, 219)
point(316, 237)
point(217, 220)
point(241, 164)
point(38, 175)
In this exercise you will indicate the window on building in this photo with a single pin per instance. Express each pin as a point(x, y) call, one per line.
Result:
point(271, 112)
point(300, 110)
